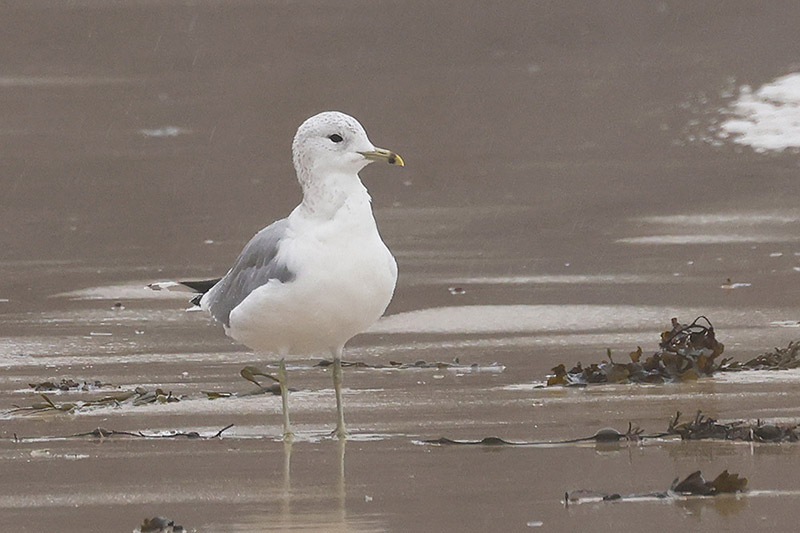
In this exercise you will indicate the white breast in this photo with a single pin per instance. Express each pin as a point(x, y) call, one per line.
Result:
point(345, 278)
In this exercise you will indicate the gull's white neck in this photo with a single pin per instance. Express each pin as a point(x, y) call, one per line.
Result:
point(326, 193)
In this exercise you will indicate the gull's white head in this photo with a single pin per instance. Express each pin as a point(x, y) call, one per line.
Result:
point(335, 142)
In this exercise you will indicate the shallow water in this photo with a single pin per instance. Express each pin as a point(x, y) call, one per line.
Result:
point(573, 181)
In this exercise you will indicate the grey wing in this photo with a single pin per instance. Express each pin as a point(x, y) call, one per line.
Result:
point(255, 266)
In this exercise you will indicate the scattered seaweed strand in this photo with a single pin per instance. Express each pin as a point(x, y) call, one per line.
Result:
point(693, 485)
point(102, 433)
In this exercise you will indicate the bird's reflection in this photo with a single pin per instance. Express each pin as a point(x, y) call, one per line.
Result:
point(341, 489)
point(286, 494)
point(339, 496)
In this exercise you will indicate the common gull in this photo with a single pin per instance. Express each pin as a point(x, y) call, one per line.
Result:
point(308, 283)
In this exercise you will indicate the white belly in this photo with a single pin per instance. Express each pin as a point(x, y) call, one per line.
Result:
point(344, 282)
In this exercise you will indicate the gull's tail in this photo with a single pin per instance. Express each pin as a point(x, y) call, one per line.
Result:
point(199, 287)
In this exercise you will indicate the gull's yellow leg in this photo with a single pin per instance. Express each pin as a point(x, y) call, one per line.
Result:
point(340, 431)
point(283, 380)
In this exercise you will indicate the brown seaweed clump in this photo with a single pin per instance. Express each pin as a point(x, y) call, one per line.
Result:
point(159, 524)
point(66, 385)
point(705, 427)
point(693, 485)
point(696, 485)
point(136, 397)
point(779, 359)
point(686, 352)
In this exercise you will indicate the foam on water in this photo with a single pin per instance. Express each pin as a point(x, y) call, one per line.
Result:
point(56, 355)
point(554, 279)
point(558, 318)
point(760, 376)
point(166, 131)
point(767, 119)
point(727, 227)
point(58, 81)
point(131, 291)
point(708, 238)
point(748, 218)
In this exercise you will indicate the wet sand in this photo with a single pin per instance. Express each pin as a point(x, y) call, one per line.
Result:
point(562, 169)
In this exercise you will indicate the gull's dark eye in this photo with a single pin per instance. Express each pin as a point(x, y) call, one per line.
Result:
point(335, 138)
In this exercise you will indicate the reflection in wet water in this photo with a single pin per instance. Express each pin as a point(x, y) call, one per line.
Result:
point(297, 512)
point(285, 512)
point(724, 505)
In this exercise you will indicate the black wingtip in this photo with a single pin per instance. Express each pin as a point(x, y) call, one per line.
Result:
point(200, 286)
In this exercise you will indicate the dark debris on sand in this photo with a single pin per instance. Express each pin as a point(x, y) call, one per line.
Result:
point(634, 434)
point(67, 385)
point(701, 427)
point(440, 365)
point(693, 485)
point(779, 359)
point(686, 352)
point(704, 427)
point(103, 433)
point(159, 524)
point(138, 396)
